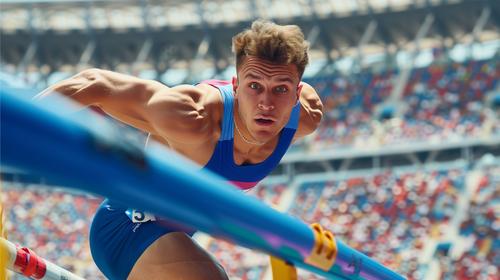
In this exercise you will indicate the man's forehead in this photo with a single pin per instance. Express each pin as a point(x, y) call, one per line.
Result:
point(279, 77)
point(257, 68)
point(250, 60)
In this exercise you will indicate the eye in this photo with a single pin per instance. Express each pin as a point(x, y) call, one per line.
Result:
point(254, 85)
point(281, 89)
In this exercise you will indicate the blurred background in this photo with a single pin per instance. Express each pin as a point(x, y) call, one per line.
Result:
point(405, 166)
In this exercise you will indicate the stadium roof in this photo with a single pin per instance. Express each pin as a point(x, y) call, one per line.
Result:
point(159, 34)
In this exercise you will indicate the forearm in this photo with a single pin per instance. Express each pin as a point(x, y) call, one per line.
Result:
point(121, 96)
point(86, 88)
point(105, 88)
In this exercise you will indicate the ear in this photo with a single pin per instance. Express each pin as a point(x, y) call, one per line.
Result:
point(299, 90)
point(234, 81)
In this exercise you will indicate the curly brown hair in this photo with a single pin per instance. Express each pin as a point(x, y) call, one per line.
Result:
point(280, 44)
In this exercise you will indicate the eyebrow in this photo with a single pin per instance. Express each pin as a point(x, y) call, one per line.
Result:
point(285, 79)
point(282, 79)
point(253, 76)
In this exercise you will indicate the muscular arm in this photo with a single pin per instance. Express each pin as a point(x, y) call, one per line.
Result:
point(311, 111)
point(175, 114)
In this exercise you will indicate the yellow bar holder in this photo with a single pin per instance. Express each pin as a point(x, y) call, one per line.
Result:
point(323, 255)
point(324, 252)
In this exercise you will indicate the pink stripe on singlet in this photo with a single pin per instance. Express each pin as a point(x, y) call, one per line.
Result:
point(244, 185)
point(216, 82)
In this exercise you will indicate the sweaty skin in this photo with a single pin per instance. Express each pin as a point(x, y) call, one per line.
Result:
point(188, 120)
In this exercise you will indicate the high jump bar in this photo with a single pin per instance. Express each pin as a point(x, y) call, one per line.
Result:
point(91, 154)
point(25, 262)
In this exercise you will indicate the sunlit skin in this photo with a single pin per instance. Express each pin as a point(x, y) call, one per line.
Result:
point(265, 94)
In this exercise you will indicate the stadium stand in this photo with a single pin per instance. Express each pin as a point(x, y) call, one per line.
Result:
point(442, 101)
point(389, 216)
point(55, 223)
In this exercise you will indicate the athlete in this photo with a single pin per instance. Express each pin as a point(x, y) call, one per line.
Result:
point(239, 129)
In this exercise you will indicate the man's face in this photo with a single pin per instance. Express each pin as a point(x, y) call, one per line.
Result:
point(265, 94)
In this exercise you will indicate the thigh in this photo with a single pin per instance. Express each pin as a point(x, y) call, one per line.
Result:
point(150, 250)
point(176, 256)
point(116, 242)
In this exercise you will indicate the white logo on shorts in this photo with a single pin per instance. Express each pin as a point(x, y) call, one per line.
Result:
point(136, 227)
point(137, 216)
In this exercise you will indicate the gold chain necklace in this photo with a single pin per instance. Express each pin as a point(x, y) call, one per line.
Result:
point(246, 140)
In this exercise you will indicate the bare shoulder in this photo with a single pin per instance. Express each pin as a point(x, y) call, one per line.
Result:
point(183, 114)
point(311, 111)
point(203, 97)
point(309, 97)
point(186, 98)
point(212, 100)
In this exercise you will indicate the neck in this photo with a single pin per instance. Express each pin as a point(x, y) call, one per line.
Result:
point(241, 129)
point(246, 139)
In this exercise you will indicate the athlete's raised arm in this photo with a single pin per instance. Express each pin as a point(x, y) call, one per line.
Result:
point(175, 114)
point(311, 111)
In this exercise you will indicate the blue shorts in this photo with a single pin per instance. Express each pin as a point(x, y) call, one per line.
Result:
point(116, 242)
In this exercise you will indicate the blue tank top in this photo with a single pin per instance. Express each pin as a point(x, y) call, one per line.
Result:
point(245, 176)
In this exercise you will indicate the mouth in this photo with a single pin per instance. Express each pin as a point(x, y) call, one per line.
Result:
point(265, 121)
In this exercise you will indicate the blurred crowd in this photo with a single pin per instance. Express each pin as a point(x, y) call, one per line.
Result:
point(386, 216)
point(480, 233)
point(55, 225)
point(349, 103)
point(441, 101)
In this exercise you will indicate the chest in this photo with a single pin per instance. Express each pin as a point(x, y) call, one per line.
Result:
point(203, 154)
point(252, 157)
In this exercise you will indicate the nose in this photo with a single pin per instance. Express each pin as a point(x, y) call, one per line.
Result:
point(265, 107)
point(265, 103)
